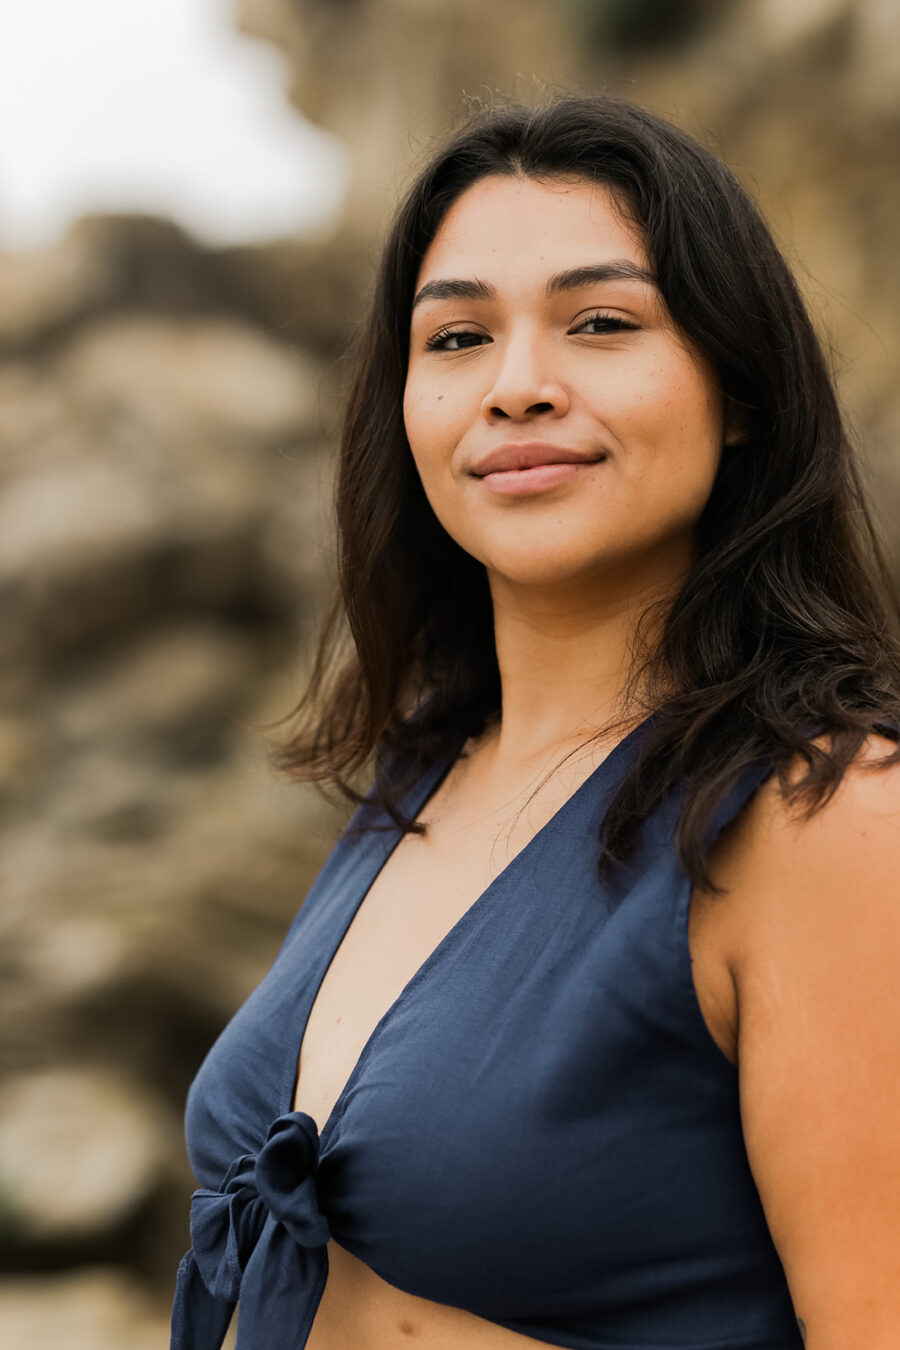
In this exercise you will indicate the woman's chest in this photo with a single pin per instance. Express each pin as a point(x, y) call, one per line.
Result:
point(535, 1088)
point(419, 896)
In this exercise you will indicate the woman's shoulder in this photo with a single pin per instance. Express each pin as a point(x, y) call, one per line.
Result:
point(777, 843)
point(869, 789)
point(806, 892)
point(797, 887)
point(811, 880)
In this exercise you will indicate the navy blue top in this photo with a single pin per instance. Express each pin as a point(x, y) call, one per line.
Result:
point(539, 1130)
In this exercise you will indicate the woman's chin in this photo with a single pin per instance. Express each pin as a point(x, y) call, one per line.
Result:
point(539, 571)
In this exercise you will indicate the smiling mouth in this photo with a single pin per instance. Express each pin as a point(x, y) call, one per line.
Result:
point(530, 455)
point(531, 479)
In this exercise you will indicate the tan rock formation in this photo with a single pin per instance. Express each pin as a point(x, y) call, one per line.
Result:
point(388, 75)
point(93, 1309)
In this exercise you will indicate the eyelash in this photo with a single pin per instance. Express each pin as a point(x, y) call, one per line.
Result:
point(437, 340)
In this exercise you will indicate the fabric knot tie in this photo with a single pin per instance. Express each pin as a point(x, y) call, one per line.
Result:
point(286, 1178)
point(226, 1224)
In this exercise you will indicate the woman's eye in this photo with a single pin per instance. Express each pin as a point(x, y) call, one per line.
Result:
point(604, 323)
point(454, 340)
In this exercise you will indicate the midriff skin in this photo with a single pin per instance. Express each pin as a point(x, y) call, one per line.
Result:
point(468, 842)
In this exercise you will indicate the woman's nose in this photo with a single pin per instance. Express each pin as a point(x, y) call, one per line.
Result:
point(525, 384)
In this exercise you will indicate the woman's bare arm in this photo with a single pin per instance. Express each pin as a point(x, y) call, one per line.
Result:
point(817, 972)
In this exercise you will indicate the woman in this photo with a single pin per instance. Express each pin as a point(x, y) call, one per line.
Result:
point(597, 994)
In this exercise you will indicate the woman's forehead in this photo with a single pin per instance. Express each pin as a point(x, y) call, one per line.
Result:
point(503, 224)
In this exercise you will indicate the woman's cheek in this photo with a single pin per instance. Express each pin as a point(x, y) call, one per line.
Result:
point(432, 440)
point(419, 401)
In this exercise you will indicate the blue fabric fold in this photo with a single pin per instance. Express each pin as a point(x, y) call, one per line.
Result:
point(277, 1186)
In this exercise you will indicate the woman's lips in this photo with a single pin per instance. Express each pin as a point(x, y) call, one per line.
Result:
point(540, 478)
point(523, 468)
point(531, 454)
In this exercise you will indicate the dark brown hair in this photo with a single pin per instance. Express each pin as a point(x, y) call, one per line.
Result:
point(786, 624)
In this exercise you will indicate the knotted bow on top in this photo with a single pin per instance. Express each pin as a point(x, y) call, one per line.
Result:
point(226, 1226)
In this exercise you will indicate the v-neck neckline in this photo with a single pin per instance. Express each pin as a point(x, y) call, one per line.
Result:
point(416, 800)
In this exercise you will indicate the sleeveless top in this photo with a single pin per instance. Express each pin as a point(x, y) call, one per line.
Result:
point(540, 1129)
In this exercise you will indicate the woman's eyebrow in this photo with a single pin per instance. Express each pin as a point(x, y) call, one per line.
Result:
point(621, 269)
point(450, 289)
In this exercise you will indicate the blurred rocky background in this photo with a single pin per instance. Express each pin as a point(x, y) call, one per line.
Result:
point(167, 421)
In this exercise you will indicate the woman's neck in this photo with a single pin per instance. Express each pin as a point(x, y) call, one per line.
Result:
point(566, 658)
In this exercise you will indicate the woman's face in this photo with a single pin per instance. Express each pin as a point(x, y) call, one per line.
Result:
point(563, 428)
